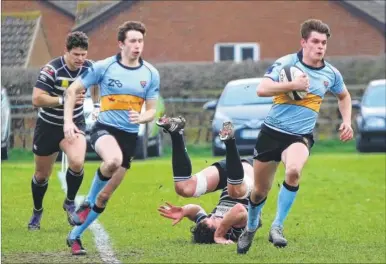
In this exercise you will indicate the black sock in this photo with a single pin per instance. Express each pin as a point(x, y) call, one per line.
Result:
point(234, 167)
point(182, 167)
point(38, 191)
point(97, 209)
point(74, 180)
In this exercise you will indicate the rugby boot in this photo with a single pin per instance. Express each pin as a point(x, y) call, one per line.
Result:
point(34, 222)
point(82, 212)
point(72, 217)
point(171, 124)
point(276, 236)
point(227, 131)
point(76, 246)
point(246, 238)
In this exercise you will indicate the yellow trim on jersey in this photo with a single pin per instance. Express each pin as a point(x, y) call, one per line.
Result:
point(65, 83)
point(121, 102)
point(311, 101)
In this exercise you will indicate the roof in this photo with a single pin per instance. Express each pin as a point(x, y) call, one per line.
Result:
point(67, 7)
point(17, 36)
point(98, 12)
point(373, 11)
point(86, 10)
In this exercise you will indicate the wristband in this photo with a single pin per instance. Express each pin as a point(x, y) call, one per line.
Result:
point(97, 105)
point(61, 100)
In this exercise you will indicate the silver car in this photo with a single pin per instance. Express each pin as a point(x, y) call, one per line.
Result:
point(371, 118)
point(5, 124)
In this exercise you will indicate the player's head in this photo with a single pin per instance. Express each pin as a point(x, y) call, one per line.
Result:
point(130, 39)
point(203, 231)
point(314, 35)
point(76, 48)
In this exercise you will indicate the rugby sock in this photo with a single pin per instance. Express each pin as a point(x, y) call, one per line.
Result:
point(253, 214)
point(38, 191)
point(234, 167)
point(285, 200)
point(74, 180)
point(182, 167)
point(78, 230)
point(97, 185)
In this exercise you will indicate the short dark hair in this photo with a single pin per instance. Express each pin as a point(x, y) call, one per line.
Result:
point(76, 39)
point(202, 233)
point(314, 25)
point(130, 25)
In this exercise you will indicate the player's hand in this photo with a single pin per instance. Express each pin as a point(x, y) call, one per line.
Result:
point(134, 117)
point(170, 211)
point(80, 98)
point(70, 130)
point(302, 83)
point(222, 240)
point(346, 132)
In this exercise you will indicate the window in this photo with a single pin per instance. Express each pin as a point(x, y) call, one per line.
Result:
point(237, 52)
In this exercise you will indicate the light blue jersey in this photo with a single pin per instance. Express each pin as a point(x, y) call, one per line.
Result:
point(299, 117)
point(122, 89)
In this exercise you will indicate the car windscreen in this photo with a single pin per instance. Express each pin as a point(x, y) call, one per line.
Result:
point(375, 96)
point(244, 94)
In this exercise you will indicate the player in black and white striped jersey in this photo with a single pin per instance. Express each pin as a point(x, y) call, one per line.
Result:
point(233, 175)
point(48, 96)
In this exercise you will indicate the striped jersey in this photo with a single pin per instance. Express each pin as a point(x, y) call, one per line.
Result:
point(299, 117)
point(55, 77)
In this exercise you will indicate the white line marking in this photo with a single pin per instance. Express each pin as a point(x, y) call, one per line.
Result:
point(101, 237)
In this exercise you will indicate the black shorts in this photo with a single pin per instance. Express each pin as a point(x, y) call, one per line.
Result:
point(222, 169)
point(48, 136)
point(126, 141)
point(271, 143)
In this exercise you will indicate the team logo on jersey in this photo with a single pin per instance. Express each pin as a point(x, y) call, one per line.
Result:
point(325, 84)
point(143, 84)
point(48, 70)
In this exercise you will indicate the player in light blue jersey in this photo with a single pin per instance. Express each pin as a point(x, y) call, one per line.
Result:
point(126, 83)
point(287, 131)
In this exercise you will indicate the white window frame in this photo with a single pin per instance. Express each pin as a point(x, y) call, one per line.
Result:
point(237, 50)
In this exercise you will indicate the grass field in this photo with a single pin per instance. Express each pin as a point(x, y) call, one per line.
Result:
point(338, 217)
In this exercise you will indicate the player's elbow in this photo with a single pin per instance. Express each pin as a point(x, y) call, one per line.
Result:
point(36, 99)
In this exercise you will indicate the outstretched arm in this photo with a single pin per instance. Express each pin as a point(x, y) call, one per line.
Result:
point(193, 212)
point(235, 217)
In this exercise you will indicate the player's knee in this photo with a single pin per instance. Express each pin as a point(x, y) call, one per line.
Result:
point(235, 191)
point(292, 174)
point(113, 163)
point(183, 190)
point(76, 165)
point(42, 175)
point(102, 198)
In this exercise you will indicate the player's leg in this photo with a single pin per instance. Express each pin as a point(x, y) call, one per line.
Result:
point(294, 158)
point(186, 184)
point(45, 149)
point(238, 187)
point(267, 157)
point(76, 152)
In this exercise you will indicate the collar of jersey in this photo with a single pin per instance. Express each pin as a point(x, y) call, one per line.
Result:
point(300, 57)
point(119, 57)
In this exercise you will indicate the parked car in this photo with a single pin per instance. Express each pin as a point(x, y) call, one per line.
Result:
point(5, 124)
point(371, 118)
point(150, 137)
point(240, 104)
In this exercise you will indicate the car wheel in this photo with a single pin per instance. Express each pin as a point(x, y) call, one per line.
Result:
point(4, 153)
point(157, 149)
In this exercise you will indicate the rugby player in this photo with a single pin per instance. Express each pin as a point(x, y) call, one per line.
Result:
point(48, 94)
point(126, 83)
point(287, 131)
point(233, 175)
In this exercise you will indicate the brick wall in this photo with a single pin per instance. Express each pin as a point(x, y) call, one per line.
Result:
point(55, 24)
point(188, 30)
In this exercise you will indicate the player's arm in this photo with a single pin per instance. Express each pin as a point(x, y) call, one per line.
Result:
point(44, 85)
point(71, 92)
point(95, 94)
point(150, 112)
point(344, 104)
point(191, 211)
point(235, 217)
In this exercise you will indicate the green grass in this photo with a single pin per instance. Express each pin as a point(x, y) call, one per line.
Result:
point(338, 216)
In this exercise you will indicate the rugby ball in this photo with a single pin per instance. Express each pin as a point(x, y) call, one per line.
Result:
point(288, 74)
